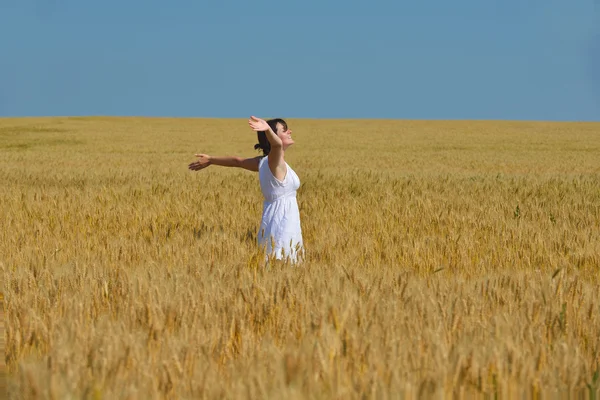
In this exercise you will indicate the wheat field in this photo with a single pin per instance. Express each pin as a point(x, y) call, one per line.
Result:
point(446, 259)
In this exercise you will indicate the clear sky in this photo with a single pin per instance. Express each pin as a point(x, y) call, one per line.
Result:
point(417, 59)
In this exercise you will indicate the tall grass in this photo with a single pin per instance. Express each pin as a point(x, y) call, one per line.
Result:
point(443, 258)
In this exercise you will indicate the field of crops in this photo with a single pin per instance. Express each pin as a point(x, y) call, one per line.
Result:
point(442, 258)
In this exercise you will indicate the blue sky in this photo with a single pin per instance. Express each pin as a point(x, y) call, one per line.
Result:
point(435, 59)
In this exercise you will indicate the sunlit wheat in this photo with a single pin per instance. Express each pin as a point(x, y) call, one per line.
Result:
point(457, 258)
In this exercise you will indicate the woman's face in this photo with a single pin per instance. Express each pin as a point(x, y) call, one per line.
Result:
point(285, 135)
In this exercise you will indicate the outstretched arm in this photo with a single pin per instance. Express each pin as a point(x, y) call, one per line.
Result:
point(258, 124)
point(276, 162)
point(204, 160)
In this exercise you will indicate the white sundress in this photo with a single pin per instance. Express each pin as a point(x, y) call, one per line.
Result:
point(281, 217)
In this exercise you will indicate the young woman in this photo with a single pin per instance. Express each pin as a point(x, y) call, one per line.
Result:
point(280, 232)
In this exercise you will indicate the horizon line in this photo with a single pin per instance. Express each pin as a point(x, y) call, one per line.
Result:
point(5, 117)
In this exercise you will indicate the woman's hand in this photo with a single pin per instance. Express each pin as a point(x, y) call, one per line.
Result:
point(258, 124)
point(203, 162)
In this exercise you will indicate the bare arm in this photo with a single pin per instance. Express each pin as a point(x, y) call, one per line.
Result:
point(276, 161)
point(205, 160)
point(275, 157)
point(274, 140)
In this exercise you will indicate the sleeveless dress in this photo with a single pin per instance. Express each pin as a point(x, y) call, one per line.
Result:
point(280, 222)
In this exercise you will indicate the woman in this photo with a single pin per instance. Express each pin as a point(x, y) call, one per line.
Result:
point(280, 232)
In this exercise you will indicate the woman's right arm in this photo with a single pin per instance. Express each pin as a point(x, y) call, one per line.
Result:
point(204, 160)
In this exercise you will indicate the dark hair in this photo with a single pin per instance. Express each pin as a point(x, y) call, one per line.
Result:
point(263, 143)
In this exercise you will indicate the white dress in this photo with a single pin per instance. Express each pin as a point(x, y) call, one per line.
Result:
point(280, 222)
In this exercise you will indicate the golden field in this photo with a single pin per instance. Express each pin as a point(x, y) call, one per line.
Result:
point(444, 259)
